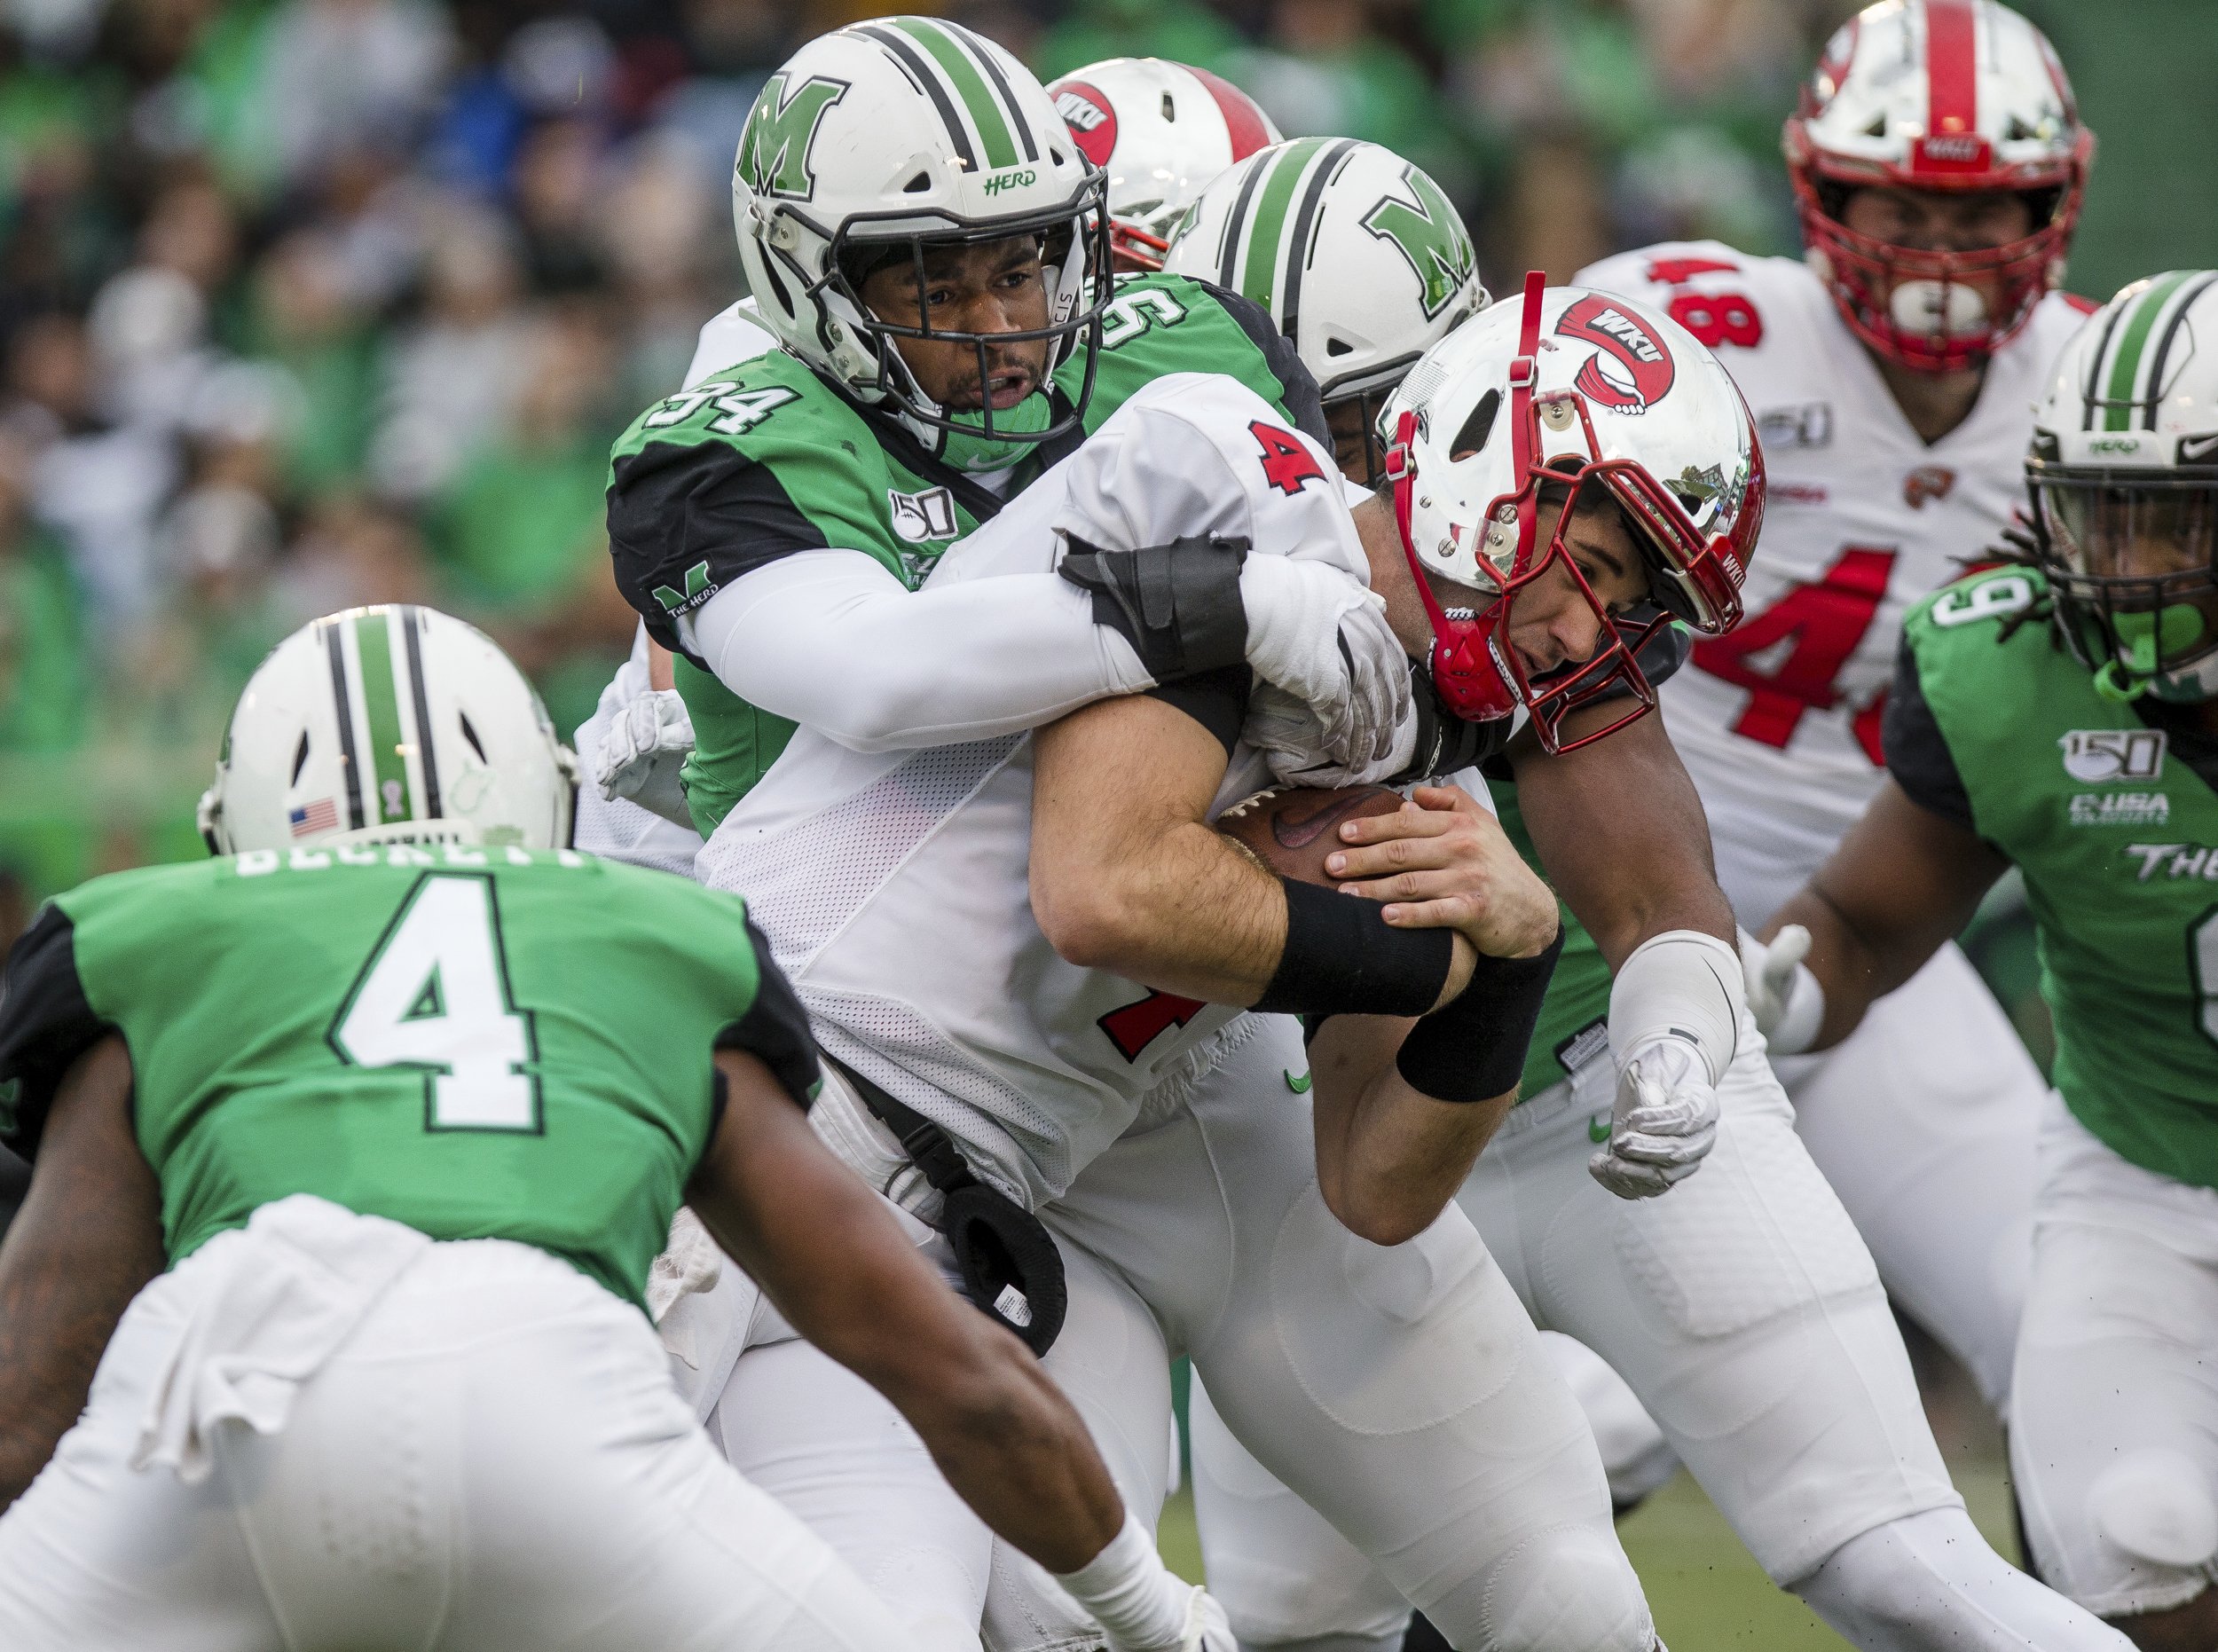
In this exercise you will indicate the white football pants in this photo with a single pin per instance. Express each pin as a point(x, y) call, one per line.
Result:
point(493, 1460)
point(2115, 1446)
point(1403, 1389)
point(1746, 1313)
point(1923, 1121)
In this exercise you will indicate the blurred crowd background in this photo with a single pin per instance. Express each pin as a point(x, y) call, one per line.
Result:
point(312, 302)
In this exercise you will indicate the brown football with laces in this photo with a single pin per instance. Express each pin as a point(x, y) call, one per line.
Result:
point(1292, 829)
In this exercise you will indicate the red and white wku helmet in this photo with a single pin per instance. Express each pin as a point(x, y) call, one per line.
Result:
point(1571, 386)
point(1162, 131)
point(1962, 96)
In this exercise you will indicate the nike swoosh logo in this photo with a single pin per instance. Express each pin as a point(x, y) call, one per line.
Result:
point(1598, 1128)
point(1298, 1083)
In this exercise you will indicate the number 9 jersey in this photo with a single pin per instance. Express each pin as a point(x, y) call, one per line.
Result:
point(1778, 721)
point(480, 1043)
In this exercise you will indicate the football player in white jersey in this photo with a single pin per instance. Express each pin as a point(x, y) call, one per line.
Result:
point(1743, 1306)
point(1159, 1135)
point(1938, 163)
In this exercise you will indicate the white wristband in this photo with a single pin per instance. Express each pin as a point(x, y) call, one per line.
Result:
point(1130, 1591)
point(1680, 984)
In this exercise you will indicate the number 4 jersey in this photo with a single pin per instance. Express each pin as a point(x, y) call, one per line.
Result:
point(1778, 721)
point(2112, 819)
point(495, 1043)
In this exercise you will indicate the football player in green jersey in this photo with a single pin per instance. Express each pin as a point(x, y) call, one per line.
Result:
point(2061, 715)
point(928, 245)
point(1369, 272)
point(402, 1094)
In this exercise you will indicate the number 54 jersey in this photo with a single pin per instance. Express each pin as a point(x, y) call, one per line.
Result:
point(1778, 721)
point(479, 1043)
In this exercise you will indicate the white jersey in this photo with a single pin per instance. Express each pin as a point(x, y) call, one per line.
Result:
point(892, 885)
point(1778, 721)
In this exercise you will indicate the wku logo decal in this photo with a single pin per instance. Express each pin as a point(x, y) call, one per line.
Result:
point(1632, 370)
point(1140, 1023)
point(1093, 123)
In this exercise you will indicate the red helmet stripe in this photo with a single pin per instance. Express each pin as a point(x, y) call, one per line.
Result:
point(1952, 68)
point(1242, 118)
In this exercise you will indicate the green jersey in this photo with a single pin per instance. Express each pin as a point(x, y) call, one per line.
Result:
point(2116, 832)
point(479, 1043)
point(765, 458)
point(1574, 1027)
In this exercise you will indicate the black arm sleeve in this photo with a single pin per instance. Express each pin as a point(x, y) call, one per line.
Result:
point(1215, 699)
point(775, 1030)
point(1918, 754)
point(686, 520)
point(45, 1025)
point(1298, 392)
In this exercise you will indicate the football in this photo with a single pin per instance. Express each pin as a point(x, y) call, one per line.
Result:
point(1292, 829)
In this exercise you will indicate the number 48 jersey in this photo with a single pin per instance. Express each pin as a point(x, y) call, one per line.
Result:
point(494, 1044)
point(1778, 721)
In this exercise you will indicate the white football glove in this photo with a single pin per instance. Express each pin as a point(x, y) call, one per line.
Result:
point(1291, 737)
point(1317, 633)
point(647, 745)
point(1663, 1122)
point(1207, 1629)
point(1783, 996)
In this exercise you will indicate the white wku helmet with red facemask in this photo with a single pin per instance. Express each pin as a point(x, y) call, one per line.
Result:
point(1962, 97)
point(1588, 390)
point(1162, 132)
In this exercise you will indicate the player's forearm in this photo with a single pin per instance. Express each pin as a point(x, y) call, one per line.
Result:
point(1903, 882)
point(1621, 832)
point(1388, 1157)
point(87, 1238)
point(834, 642)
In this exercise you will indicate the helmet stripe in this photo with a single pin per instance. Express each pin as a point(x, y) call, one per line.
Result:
point(991, 64)
point(1236, 221)
point(1242, 119)
point(988, 116)
point(1304, 228)
point(388, 763)
point(411, 632)
point(1260, 281)
point(342, 705)
point(1952, 68)
point(921, 74)
point(2126, 364)
point(2154, 389)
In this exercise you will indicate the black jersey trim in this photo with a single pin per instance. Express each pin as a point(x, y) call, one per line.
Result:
point(342, 703)
point(1917, 753)
point(46, 1023)
point(926, 77)
point(673, 506)
point(1297, 387)
point(1298, 250)
point(775, 1030)
point(411, 632)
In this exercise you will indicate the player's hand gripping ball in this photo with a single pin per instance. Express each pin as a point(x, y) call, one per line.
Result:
point(1436, 860)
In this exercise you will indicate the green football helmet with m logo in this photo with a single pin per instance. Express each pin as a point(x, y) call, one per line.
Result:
point(880, 142)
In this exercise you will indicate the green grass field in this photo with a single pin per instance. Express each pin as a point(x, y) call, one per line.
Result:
point(1706, 1591)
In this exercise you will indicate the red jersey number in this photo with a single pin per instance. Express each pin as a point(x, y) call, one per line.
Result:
point(1286, 463)
point(1718, 319)
point(1821, 625)
point(1140, 1023)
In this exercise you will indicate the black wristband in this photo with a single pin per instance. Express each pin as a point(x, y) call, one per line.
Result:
point(1342, 957)
point(1476, 1047)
